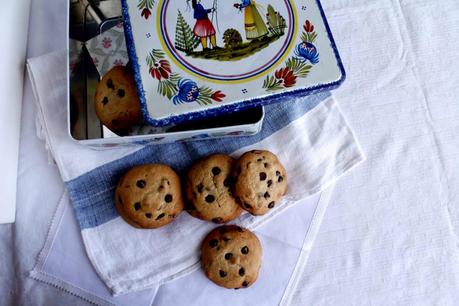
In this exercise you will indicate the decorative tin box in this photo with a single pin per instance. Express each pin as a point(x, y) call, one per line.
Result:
point(195, 58)
point(96, 43)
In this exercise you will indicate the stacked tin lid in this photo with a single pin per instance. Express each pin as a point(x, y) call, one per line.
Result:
point(195, 59)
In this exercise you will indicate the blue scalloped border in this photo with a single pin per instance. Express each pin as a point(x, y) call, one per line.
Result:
point(227, 108)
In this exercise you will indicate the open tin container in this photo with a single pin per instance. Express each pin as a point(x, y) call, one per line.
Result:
point(94, 25)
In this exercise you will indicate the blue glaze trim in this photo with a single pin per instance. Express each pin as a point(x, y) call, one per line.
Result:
point(134, 60)
point(275, 98)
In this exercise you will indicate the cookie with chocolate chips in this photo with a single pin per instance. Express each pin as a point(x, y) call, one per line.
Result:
point(117, 103)
point(260, 181)
point(231, 257)
point(149, 196)
point(208, 190)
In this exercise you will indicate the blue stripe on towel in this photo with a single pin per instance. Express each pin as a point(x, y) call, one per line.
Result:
point(92, 193)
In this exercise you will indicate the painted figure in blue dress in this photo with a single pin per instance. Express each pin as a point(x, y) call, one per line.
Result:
point(204, 28)
point(255, 27)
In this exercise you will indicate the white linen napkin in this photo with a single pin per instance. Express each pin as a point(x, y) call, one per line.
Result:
point(316, 147)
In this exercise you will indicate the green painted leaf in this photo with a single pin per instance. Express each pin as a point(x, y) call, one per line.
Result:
point(312, 37)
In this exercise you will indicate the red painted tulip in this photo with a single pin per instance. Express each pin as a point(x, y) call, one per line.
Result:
point(287, 77)
point(146, 13)
point(161, 70)
point(218, 96)
point(308, 27)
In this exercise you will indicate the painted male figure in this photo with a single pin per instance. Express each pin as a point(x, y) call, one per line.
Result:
point(203, 27)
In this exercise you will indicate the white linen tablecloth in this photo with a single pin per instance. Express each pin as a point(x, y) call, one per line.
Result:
point(390, 233)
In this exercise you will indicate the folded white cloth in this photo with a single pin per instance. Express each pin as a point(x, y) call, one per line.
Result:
point(314, 142)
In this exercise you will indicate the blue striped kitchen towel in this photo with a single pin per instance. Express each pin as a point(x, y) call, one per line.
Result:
point(309, 135)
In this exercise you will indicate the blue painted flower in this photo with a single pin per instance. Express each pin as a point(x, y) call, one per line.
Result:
point(307, 52)
point(188, 91)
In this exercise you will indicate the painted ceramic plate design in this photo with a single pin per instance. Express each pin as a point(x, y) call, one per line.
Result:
point(198, 58)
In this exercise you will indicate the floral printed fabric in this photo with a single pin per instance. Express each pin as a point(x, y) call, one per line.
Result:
point(108, 49)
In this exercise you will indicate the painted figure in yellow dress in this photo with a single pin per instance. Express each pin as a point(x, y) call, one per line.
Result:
point(255, 26)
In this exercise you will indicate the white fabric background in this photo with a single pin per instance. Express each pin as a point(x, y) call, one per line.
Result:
point(389, 236)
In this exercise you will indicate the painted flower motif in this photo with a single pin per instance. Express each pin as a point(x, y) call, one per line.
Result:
point(218, 96)
point(95, 61)
point(308, 27)
point(161, 69)
point(146, 13)
point(118, 62)
point(188, 91)
point(307, 51)
point(107, 42)
point(287, 77)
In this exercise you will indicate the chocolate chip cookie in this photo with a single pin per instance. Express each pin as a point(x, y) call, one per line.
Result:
point(231, 257)
point(260, 181)
point(117, 103)
point(149, 196)
point(208, 190)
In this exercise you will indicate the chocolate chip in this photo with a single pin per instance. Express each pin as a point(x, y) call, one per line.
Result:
point(226, 182)
point(200, 187)
point(223, 273)
point(216, 171)
point(247, 205)
point(120, 200)
point(210, 198)
point(148, 215)
point(280, 179)
point(110, 84)
point(278, 173)
point(160, 216)
point(270, 183)
point(141, 184)
point(262, 176)
point(190, 206)
point(266, 165)
point(239, 229)
point(271, 205)
point(217, 220)
point(245, 284)
point(105, 101)
point(245, 250)
point(259, 160)
point(160, 188)
point(228, 256)
point(168, 183)
point(121, 93)
point(241, 271)
point(168, 198)
point(267, 195)
point(213, 243)
point(137, 206)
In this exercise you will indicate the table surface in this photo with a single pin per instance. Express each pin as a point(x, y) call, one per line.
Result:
point(389, 236)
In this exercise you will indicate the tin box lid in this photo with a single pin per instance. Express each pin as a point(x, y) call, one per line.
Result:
point(198, 58)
